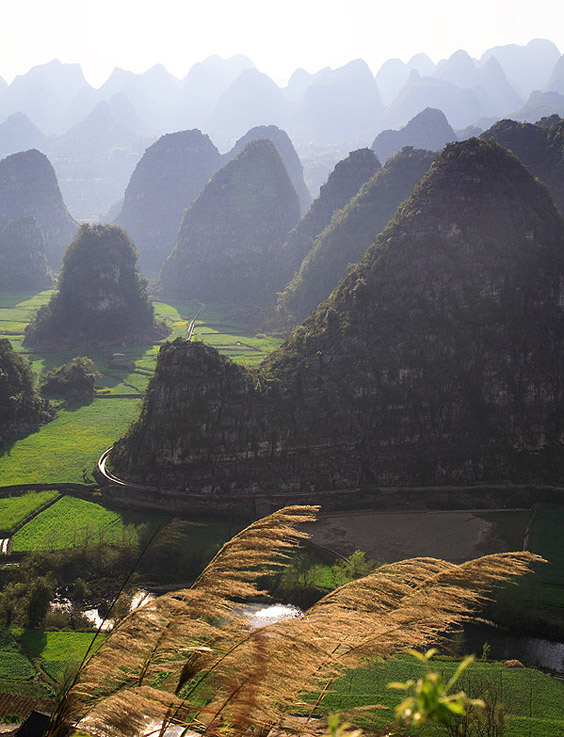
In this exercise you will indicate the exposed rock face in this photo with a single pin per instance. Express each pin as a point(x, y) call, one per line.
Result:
point(428, 130)
point(540, 147)
point(350, 233)
point(102, 300)
point(287, 152)
point(437, 359)
point(28, 186)
point(23, 264)
point(21, 408)
point(171, 174)
point(230, 236)
point(343, 183)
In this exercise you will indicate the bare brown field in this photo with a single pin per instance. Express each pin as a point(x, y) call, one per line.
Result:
point(451, 535)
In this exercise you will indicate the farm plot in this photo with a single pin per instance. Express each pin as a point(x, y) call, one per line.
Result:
point(73, 522)
point(14, 665)
point(532, 702)
point(57, 652)
point(390, 536)
point(14, 509)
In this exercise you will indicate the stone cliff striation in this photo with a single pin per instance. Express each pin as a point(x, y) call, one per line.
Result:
point(350, 232)
point(229, 238)
point(171, 173)
point(29, 187)
point(438, 359)
point(23, 265)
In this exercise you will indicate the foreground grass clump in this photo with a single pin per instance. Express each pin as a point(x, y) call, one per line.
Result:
point(195, 646)
point(73, 522)
point(14, 509)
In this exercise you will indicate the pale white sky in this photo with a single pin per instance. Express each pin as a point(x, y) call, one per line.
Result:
point(278, 37)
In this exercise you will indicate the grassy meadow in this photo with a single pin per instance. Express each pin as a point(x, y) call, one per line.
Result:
point(14, 509)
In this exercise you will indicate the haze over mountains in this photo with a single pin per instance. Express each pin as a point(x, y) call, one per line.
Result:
point(95, 137)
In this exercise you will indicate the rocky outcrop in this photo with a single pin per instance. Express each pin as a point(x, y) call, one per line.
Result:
point(350, 232)
point(438, 359)
point(343, 183)
point(230, 236)
point(287, 152)
point(23, 265)
point(540, 147)
point(170, 175)
point(101, 300)
point(21, 408)
point(428, 130)
point(28, 186)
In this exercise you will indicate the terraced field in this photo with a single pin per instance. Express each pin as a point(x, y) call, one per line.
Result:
point(15, 509)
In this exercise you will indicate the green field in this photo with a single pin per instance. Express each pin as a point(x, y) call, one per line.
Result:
point(531, 700)
point(74, 441)
point(56, 651)
point(73, 522)
point(14, 509)
point(14, 664)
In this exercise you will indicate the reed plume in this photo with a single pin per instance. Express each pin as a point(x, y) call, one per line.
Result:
point(190, 657)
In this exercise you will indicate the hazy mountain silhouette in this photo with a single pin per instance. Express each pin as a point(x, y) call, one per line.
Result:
point(23, 264)
point(394, 73)
point(29, 187)
point(540, 105)
point(527, 68)
point(556, 81)
point(171, 173)
point(230, 235)
point(428, 130)
point(17, 133)
point(286, 149)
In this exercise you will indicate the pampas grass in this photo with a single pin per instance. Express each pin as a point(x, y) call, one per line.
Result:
point(191, 658)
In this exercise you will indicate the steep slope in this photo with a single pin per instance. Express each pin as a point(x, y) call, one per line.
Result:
point(21, 408)
point(527, 67)
point(350, 232)
point(28, 186)
point(539, 146)
point(438, 359)
point(171, 173)
point(428, 130)
point(343, 183)
point(23, 265)
point(17, 133)
point(101, 300)
point(394, 73)
point(230, 235)
point(287, 152)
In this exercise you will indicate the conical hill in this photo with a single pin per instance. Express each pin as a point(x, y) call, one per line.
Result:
point(438, 359)
point(350, 232)
point(230, 236)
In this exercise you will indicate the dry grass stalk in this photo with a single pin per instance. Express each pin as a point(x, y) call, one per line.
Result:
point(249, 678)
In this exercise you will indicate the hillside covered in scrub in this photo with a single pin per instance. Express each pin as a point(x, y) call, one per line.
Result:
point(351, 231)
point(101, 300)
point(437, 359)
point(23, 264)
point(21, 408)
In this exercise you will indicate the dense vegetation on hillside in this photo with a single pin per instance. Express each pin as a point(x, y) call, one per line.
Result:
point(428, 363)
point(21, 408)
point(102, 300)
point(351, 231)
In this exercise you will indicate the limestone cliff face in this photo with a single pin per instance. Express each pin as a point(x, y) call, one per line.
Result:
point(230, 236)
point(21, 408)
point(23, 264)
point(429, 130)
point(169, 176)
point(438, 359)
point(287, 152)
point(28, 187)
point(342, 185)
point(350, 232)
point(101, 299)
point(540, 146)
